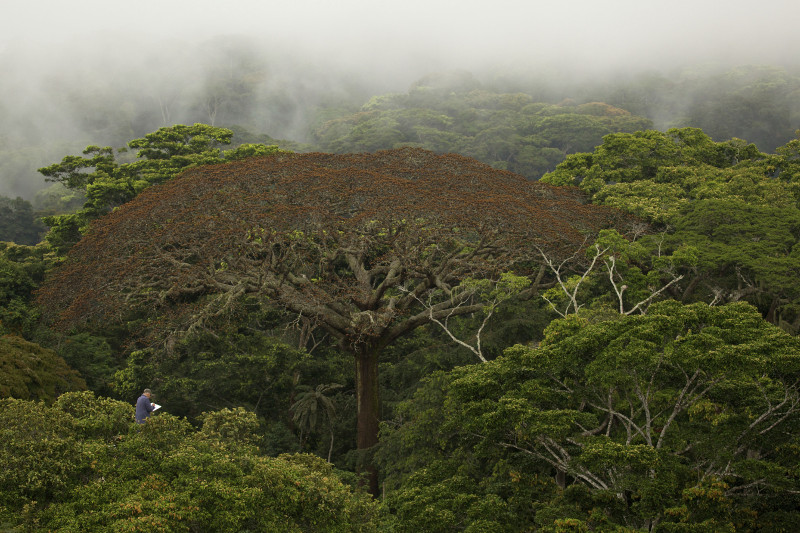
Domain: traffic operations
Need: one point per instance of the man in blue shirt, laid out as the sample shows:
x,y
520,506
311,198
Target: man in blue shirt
x,y
144,407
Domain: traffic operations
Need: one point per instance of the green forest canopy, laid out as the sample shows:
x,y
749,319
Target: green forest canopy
x,y
367,246
715,222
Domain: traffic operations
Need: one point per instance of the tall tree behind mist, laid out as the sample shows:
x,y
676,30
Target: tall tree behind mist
x,y
757,103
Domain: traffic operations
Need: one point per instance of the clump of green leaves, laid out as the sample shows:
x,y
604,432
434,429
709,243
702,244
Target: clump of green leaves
x,y
110,178
734,207
684,417
31,372
83,464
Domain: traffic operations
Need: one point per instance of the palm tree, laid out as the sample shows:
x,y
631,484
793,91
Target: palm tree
x,y
310,405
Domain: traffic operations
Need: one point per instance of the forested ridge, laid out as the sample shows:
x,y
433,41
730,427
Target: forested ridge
x,y
477,305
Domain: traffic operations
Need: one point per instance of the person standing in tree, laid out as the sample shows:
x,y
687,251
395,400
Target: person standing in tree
x,y
144,407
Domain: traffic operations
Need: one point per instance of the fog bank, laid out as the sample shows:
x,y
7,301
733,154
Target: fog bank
x,y
100,72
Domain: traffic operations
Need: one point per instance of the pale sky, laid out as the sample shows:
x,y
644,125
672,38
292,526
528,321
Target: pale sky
x,y
460,32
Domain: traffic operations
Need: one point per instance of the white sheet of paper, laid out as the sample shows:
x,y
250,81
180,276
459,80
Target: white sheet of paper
x,y
156,407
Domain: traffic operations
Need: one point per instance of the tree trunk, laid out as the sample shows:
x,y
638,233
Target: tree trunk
x,y
368,411
690,288
330,448
772,313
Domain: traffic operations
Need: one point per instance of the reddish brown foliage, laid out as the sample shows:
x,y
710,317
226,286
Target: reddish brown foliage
x,y
353,242
334,237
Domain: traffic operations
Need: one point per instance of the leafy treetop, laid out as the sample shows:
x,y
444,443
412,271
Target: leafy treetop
x,y
737,207
354,241
109,180
684,416
367,246
30,372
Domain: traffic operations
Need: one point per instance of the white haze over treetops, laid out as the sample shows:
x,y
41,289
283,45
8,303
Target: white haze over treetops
x,y
54,53
465,34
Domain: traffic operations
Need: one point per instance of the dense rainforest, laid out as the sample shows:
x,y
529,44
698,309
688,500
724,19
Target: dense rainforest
x,y
502,304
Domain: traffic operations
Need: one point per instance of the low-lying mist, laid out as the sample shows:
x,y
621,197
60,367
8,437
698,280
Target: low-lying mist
x,y
79,75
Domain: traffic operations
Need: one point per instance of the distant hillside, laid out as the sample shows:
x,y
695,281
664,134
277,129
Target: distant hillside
x,y
510,131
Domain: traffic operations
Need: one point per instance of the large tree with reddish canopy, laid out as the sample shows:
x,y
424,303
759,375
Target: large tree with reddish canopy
x,y
368,246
